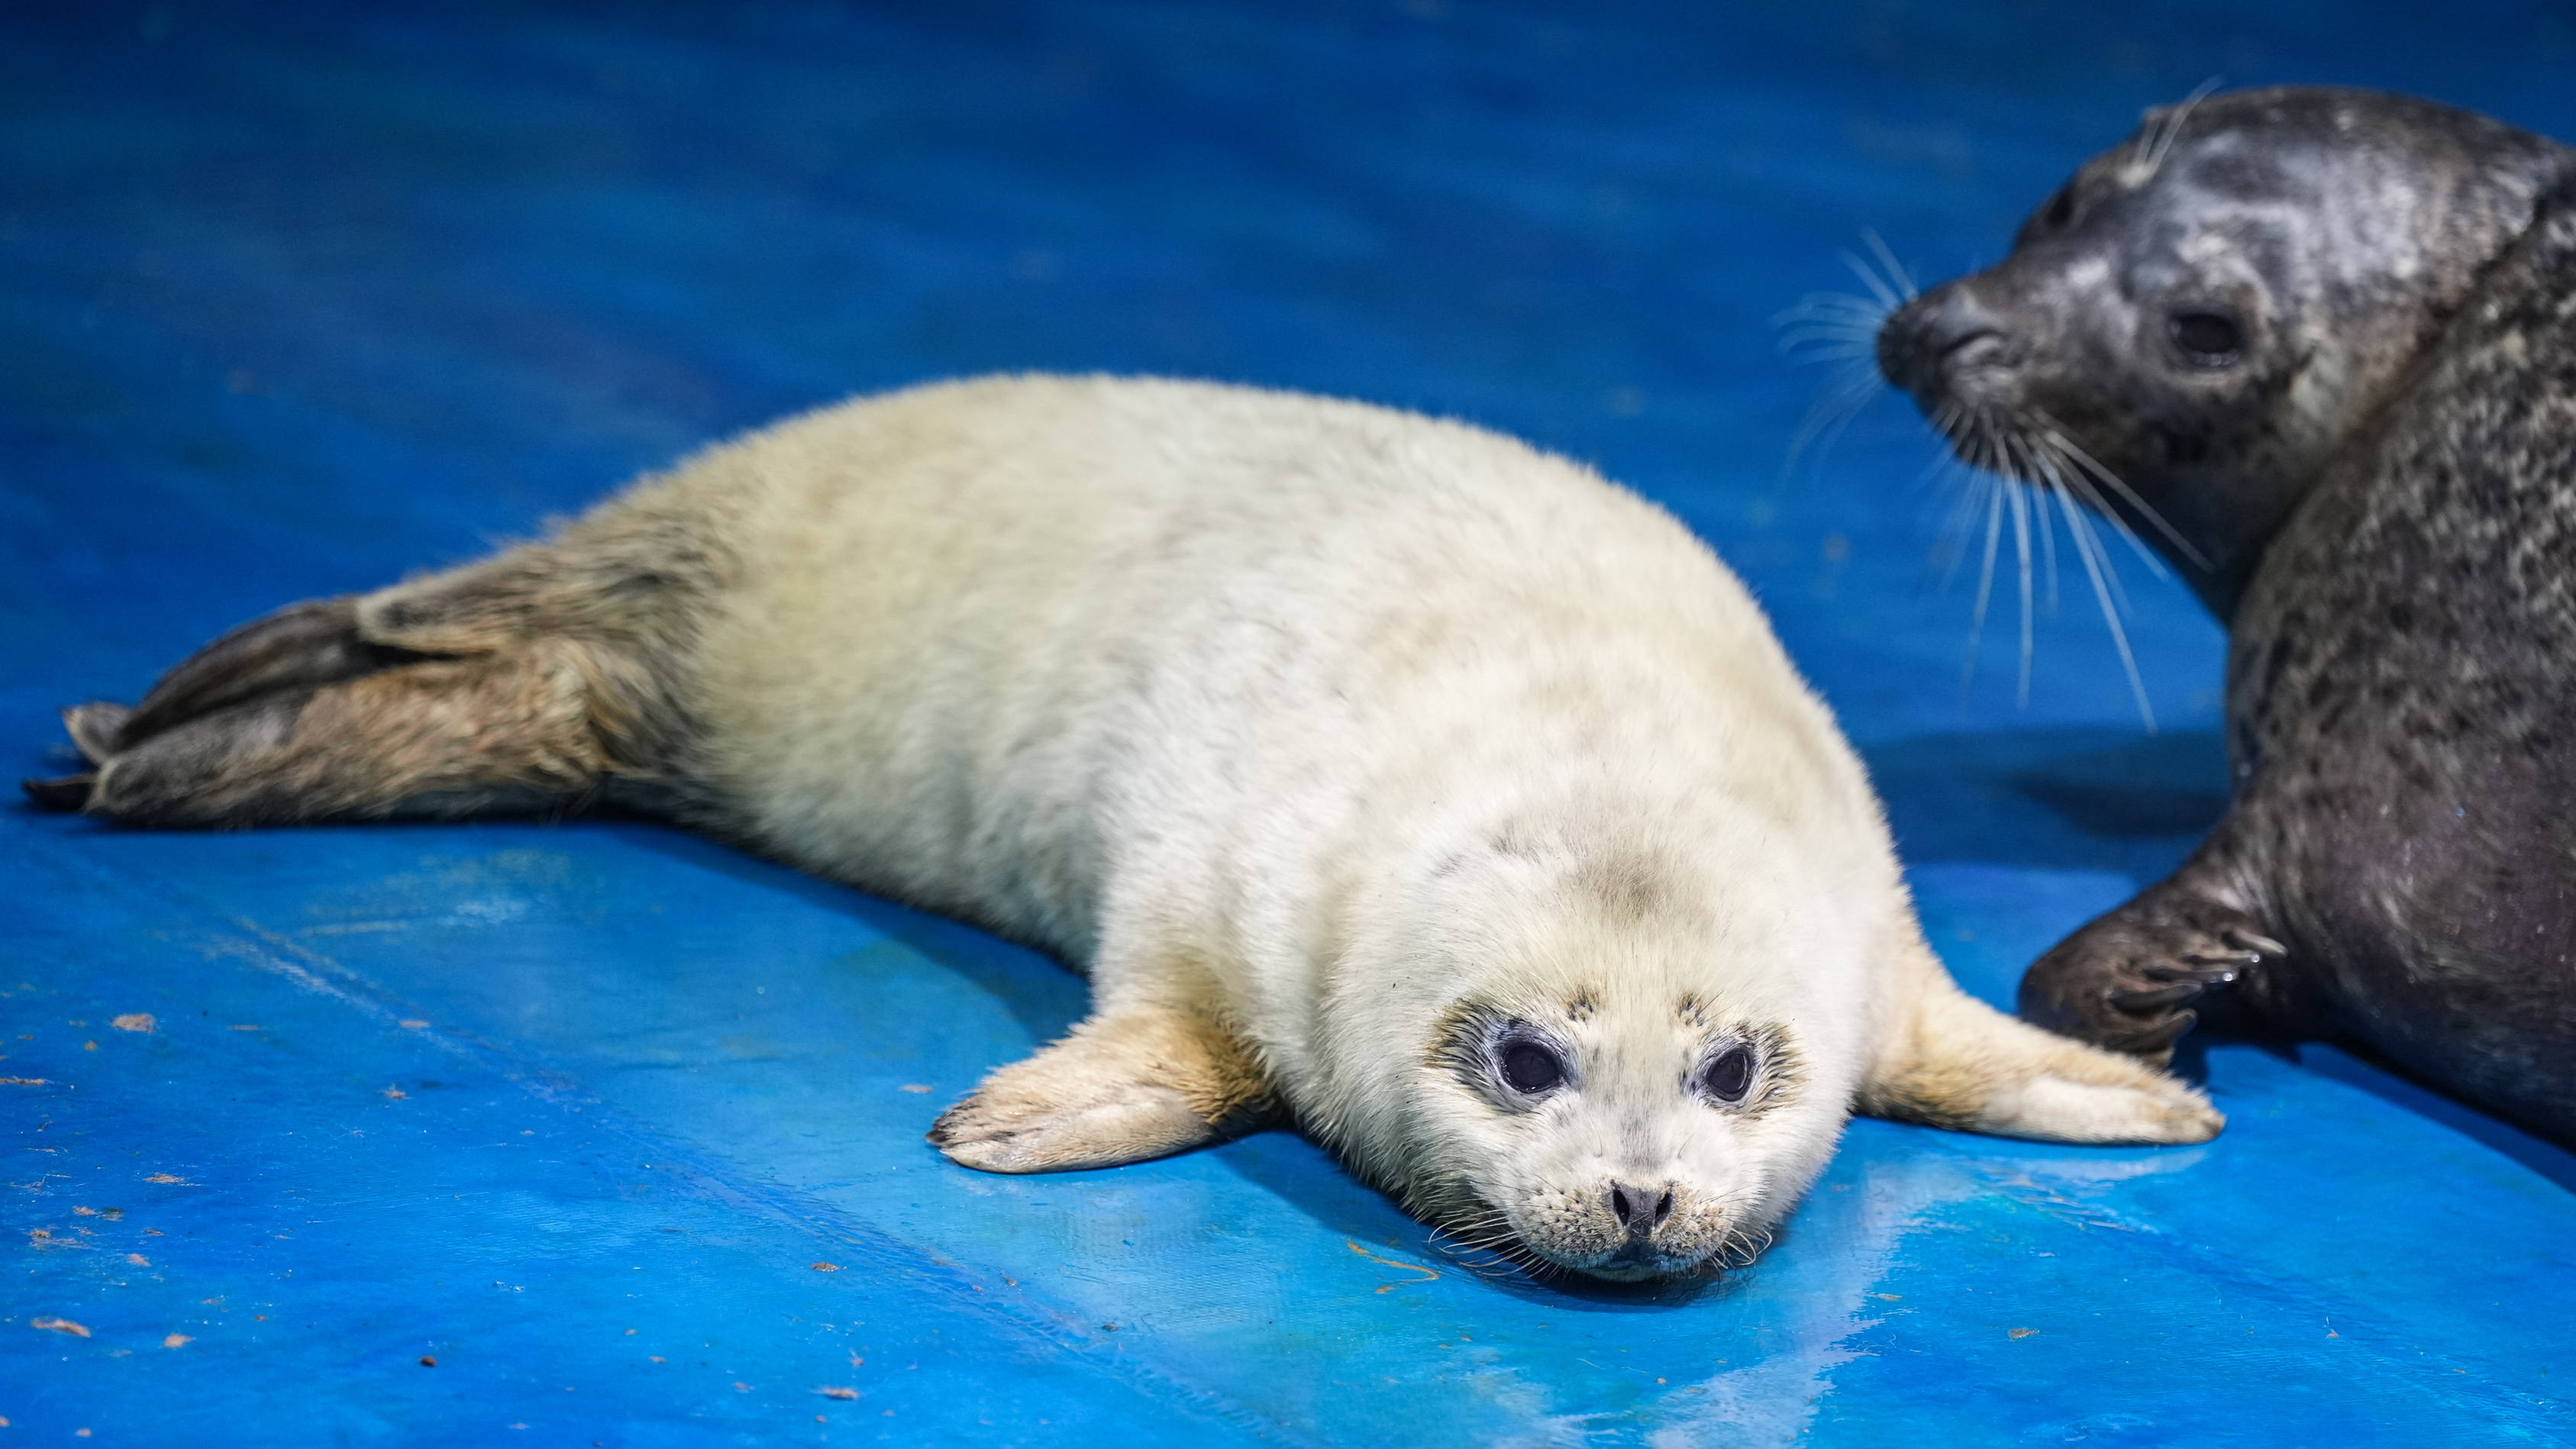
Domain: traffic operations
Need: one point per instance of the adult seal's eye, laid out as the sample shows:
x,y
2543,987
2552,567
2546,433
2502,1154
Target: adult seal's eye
x,y
2207,339
2060,209
1729,1077
1529,1068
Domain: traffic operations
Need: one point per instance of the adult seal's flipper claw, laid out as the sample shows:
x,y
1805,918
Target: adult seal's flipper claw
x,y
2133,980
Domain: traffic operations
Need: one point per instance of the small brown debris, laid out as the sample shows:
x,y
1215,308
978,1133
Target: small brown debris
x,y
135,1021
427,1362
138,1260
89,1046
82,1212
835,1391
58,1325
1889,1297
167,1177
413,1022
40,1234
246,1026
23,1082
657,1358
176,1340
827,1267
2023,1332
921,1088
740,1387
395,1094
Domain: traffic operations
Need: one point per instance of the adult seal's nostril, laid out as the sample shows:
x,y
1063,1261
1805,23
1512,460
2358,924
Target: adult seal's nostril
x,y
1640,1210
1935,333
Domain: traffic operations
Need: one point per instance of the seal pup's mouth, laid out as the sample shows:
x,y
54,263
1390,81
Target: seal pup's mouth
x,y
1638,1262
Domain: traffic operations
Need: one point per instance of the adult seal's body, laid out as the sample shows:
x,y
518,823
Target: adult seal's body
x,y
1378,769
2320,347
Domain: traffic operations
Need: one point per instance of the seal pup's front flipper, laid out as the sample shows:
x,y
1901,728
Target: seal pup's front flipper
x,y
1952,1061
1126,1084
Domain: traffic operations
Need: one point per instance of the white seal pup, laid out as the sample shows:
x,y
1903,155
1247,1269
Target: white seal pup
x,y
1381,771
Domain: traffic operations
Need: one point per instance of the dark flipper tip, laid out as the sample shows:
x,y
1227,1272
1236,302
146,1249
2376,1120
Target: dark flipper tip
x,y
65,793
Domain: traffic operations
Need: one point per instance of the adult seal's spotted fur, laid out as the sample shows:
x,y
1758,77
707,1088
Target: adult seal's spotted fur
x,y
1377,769
2320,347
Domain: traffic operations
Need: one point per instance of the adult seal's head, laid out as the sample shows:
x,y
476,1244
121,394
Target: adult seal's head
x,y
2191,327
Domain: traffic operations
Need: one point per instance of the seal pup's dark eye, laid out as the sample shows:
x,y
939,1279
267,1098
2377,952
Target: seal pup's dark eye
x,y
1529,1067
2207,339
1727,1078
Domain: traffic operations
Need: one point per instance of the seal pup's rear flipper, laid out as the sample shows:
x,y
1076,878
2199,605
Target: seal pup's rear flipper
x,y
445,737
279,658
520,683
1953,1061
298,648
1127,1084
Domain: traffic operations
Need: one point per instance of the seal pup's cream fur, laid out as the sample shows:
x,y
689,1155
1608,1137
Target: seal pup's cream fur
x,y
1379,770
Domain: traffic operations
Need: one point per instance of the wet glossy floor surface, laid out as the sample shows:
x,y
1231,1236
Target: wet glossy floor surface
x,y
594,1133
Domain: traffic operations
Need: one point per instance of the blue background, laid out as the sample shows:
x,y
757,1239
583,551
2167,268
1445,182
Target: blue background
x,y
294,299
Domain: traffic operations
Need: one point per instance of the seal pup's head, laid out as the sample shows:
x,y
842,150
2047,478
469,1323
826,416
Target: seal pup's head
x,y
1613,1063
2188,330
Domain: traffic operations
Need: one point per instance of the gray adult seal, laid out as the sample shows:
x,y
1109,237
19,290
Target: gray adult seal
x,y
2319,348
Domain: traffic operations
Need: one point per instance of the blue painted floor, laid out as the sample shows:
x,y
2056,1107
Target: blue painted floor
x,y
623,1129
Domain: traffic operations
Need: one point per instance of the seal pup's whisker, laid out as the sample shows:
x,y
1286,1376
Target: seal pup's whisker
x,y
1488,1256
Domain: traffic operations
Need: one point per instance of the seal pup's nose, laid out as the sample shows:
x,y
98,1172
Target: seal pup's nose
x,y
1640,1210
1923,340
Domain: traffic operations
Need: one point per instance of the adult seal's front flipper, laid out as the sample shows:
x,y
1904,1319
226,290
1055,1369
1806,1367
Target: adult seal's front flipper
x,y
2137,978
